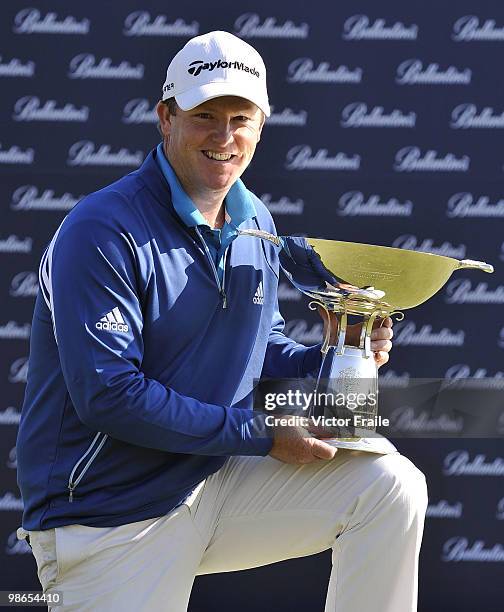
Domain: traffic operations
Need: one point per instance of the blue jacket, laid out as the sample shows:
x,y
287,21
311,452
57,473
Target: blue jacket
x,y
141,367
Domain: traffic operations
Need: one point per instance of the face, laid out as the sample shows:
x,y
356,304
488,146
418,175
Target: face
x,y
210,146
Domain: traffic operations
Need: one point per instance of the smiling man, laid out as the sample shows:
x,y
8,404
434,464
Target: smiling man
x,y
209,147
140,458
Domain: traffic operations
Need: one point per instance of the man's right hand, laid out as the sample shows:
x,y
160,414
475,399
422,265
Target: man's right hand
x,y
294,445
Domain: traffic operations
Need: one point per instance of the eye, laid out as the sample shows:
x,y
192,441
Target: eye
x,y
242,118
203,115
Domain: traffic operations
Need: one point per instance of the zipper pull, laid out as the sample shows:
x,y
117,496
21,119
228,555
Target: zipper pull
x,y
70,497
224,299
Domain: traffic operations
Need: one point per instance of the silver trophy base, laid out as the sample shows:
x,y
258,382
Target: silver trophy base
x,y
377,444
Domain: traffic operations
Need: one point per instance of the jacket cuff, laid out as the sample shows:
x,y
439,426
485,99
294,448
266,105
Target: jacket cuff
x,y
312,361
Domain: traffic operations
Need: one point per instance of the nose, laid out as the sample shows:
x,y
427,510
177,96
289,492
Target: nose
x,y
223,133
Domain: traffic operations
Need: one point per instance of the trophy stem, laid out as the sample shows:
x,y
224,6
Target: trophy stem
x,y
365,337
340,346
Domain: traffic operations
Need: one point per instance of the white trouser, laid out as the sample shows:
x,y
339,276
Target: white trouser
x,y
368,508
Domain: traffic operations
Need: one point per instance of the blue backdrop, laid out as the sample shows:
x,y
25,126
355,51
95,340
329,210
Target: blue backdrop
x,y
387,127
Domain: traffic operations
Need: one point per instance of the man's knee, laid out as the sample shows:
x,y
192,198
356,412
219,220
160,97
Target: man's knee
x,y
404,484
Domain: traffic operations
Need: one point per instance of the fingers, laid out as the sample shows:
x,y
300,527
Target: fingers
x,y
387,322
381,339
381,345
321,450
382,333
381,358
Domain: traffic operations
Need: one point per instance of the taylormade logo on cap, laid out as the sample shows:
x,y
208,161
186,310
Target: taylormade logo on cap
x,y
214,65
196,67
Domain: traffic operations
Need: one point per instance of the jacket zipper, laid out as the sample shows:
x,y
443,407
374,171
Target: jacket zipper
x,y
72,484
220,286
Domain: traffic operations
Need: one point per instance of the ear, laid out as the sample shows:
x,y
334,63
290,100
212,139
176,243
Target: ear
x,y
263,119
165,119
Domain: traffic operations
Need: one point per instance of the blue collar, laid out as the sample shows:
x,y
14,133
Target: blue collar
x,y
239,205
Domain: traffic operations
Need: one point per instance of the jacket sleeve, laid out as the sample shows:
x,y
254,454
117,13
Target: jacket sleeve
x,y
92,267
286,358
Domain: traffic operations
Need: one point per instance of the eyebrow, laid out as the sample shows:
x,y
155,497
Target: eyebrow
x,y
239,110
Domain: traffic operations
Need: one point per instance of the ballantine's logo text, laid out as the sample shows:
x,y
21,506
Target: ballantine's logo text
x,y
298,330
412,72
13,244
11,462
139,24
30,21
499,515
139,111
354,204
303,70
15,68
196,67
466,205
444,509
458,549
458,463
406,334
288,293
468,28
283,206
394,380
10,502
13,331
358,27
16,547
408,241
84,66
466,116
301,157
249,26
27,198
407,419
10,416
84,153
288,117
24,284
461,374
15,155
356,115
29,108
19,370
460,291
410,159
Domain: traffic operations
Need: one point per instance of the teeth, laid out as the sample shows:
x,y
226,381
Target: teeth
x,y
218,156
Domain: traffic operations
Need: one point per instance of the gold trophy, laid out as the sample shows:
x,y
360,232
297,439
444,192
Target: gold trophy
x,y
368,281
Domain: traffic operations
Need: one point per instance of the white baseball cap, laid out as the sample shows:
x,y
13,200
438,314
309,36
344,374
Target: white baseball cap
x,y
213,65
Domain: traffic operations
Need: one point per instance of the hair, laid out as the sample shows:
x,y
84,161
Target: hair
x,y
172,105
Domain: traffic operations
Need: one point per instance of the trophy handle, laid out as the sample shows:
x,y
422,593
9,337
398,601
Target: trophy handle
x,y
478,265
260,234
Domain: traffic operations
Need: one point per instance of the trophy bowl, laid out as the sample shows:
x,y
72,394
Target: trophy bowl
x,y
408,278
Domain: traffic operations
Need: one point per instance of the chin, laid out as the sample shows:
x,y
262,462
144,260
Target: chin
x,y
219,185
222,182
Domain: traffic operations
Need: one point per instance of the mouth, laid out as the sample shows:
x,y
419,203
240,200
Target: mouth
x,y
218,157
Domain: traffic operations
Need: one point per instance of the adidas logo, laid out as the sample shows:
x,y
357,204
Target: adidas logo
x,y
112,321
259,294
